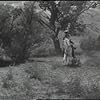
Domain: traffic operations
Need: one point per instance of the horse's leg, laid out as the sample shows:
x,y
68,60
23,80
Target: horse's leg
x,y
73,53
65,58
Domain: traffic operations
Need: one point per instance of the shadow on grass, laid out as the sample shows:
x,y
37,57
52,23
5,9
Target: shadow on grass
x,y
47,55
4,63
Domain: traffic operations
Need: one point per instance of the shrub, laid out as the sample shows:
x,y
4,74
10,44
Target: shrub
x,y
38,70
46,49
45,52
24,89
41,52
98,43
34,72
74,87
88,44
93,92
8,80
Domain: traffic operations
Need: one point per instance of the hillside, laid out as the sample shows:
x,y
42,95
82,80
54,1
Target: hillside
x,y
92,19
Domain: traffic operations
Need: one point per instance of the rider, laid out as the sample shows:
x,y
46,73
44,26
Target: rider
x,y
66,47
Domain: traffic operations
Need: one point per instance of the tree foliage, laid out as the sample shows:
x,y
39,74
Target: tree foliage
x,y
65,12
20,31
22,28
64,15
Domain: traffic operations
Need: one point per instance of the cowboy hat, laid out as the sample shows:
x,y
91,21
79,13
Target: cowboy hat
x,y
66,31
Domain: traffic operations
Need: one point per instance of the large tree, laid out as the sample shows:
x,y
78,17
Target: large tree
x,y
25,31
63,15
19,30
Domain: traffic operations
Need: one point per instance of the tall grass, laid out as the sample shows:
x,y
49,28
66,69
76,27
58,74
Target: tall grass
x,y
48,83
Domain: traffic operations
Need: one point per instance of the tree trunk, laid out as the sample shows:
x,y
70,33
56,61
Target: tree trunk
x,y
57,46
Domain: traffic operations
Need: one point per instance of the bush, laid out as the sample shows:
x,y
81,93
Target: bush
x,y
98,43
8,80
21,89
46,49
17,53
34,72
20,31
38,70
42,52
74,87
88,44
93,92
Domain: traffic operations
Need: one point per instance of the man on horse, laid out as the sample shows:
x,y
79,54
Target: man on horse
x,y
68,48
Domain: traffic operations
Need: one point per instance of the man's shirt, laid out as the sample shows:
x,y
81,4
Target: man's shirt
x,y
66,42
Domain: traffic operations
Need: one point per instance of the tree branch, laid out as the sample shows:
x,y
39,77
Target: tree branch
x,y
43,23
85,9
58,29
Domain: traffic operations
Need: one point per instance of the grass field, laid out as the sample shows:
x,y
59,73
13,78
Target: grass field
x,y
46,77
